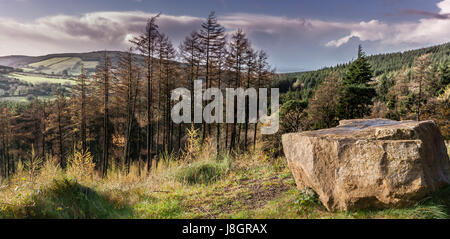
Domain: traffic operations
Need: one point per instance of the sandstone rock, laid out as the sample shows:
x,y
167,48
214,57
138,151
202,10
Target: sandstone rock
x,y
373,163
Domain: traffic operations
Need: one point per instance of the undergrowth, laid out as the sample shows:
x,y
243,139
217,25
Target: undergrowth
x,y
198,184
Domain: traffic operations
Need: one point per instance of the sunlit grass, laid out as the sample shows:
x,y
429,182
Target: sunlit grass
x,y
249,185
39,79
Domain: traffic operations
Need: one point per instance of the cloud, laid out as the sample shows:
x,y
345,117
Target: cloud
x,y
91,31
424,13
292,43
426,31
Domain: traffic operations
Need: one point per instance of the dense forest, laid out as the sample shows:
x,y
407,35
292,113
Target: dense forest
x,y
120,113
412,85
91,135
382,65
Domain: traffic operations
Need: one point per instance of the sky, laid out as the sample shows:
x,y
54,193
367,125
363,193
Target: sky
x,y
298,35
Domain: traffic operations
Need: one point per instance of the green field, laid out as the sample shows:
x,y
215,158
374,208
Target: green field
x,y
39,79
23,99
57,65
49,62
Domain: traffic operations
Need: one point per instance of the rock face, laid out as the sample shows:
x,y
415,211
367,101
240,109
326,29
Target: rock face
x,y
373,163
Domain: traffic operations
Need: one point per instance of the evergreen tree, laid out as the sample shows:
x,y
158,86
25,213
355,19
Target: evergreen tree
x,y
190,53
79,99
125,100
422,82
443,76
211,38
262,80
322,106
146,44
238,49
356,96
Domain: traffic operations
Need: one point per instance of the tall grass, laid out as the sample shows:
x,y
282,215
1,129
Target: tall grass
x,y
204,171
197,184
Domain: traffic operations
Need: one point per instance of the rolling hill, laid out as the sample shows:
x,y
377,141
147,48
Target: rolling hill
x,y
62,68
64,64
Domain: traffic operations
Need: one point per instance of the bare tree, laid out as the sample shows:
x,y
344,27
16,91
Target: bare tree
x,y
146,44
238,48
211,37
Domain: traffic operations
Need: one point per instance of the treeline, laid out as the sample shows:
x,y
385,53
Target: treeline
x,y
121,114
11,87
6,69
420,91
381,65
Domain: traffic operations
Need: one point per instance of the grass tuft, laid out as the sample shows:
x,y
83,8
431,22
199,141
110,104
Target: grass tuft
x,y
65,198
203,172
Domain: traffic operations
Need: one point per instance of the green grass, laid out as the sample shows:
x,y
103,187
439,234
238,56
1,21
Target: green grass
x,y
246,187
57,65
39,79
23,99
203,172
49,62
18,99
65,198
159,209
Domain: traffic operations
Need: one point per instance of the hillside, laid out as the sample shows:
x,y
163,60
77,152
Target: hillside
x,y
68,64
381,64
23,77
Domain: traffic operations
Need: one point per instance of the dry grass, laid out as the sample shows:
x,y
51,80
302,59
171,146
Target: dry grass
x,y
249,185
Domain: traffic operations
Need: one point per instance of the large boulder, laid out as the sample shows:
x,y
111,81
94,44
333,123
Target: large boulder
x,y
374,163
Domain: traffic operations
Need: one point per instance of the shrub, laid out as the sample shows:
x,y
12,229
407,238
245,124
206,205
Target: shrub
x,y
203,172
81,164
193,145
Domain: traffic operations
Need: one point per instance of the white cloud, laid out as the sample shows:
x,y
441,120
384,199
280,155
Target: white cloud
x,y
425,31
91,31
292,43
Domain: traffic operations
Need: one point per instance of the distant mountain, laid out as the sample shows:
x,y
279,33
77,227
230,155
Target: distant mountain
x,y
60,64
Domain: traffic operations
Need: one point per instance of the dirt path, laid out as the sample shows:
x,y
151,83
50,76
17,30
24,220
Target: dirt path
x,y
252,194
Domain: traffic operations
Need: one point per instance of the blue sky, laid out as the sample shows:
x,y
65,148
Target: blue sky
x,y
298,35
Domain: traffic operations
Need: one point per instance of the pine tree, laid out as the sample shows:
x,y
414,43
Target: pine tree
x,y
356,96
59,127
219,63
28,126
322,106
262,80
146,44
166,58
79,98
422,80
399,93
103,77
5,139
251,67
238,48
211,37
128,76
443,77
190,52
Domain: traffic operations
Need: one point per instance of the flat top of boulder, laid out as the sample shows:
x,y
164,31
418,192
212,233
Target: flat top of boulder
x,y
370,128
